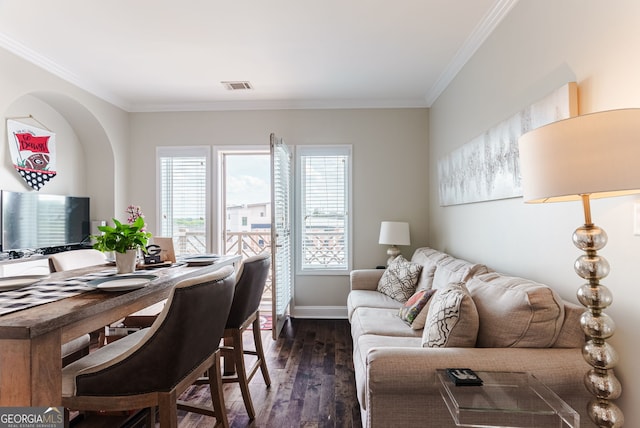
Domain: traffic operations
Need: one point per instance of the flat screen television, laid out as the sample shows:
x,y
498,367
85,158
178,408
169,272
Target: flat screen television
x,y
31,220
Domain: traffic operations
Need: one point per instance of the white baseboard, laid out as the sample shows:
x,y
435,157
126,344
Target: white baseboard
x,y
322,312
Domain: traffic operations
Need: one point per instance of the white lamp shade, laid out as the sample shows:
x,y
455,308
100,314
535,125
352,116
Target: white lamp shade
x,y
394,233
595,154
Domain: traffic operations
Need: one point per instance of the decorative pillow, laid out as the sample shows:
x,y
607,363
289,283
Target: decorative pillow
x,y
414,306
420,319
452,320
399,279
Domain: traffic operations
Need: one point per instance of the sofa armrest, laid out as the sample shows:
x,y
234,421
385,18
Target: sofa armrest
x,y
399,379
365,279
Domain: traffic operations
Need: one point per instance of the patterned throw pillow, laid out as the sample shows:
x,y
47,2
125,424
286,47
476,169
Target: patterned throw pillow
x,y
452,320
421,319
399,279
414,306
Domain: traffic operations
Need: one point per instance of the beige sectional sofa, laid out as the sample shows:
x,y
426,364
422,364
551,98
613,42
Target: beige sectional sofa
x,y
508,324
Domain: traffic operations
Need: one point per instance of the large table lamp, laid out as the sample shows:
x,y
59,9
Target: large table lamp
x,y
394,233
578,159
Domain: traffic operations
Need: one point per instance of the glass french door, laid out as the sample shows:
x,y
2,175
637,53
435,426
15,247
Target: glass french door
x,y
281,239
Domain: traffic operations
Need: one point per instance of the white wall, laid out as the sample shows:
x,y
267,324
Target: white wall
x,y
540,46
389,172
91,135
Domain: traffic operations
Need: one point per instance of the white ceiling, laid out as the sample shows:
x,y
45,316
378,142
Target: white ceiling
x,y
162,55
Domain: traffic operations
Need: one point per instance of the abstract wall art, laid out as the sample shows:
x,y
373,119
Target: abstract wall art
x,y
487,167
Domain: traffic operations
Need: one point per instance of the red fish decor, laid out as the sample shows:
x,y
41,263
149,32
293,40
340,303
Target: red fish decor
x,y
33,152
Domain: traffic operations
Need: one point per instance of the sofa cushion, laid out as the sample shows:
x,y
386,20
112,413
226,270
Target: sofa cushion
x,y
429,259
571,335
452,320
452,270
399,279
369,299
380,321
361,348
516,312
414,306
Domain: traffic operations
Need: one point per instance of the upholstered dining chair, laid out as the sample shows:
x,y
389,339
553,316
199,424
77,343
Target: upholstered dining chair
x,y
69,260
244,313
153,366
75,259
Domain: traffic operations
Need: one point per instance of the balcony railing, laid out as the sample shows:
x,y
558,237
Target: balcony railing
x,y
190,242
321,248
247,244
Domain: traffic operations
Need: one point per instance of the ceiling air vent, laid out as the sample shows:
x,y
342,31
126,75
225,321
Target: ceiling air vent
x,y
237,85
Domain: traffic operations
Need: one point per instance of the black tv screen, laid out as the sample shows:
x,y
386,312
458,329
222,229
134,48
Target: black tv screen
x,y
32,220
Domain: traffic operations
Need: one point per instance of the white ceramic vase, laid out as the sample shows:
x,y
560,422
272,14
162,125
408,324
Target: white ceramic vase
x,y
126,262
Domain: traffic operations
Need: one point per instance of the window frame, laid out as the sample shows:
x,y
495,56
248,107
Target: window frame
x,y
185,151
302,151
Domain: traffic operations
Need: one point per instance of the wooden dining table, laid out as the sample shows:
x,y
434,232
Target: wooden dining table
x,y
31,339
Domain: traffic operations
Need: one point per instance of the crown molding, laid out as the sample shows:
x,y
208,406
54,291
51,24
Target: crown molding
x,y
477,37
282,105
54,68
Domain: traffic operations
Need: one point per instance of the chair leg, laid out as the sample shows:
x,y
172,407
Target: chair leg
x,y
217,396
168,409
151,422
241,372
228,366
257,339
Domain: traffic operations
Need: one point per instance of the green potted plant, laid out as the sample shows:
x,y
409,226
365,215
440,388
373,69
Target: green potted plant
x,y
125,239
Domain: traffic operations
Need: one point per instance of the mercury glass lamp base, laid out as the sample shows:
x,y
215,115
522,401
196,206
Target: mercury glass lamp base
x,y
600,381
392,252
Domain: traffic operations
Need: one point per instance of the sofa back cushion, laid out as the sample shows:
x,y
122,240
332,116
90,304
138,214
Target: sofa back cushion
x,y
515,312
428,258
451,270
452,320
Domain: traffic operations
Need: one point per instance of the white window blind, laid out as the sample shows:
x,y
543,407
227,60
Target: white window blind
x,y
183,197
281,233
324,186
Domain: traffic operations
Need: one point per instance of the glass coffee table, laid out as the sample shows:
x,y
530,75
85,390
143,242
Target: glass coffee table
x,y
506,399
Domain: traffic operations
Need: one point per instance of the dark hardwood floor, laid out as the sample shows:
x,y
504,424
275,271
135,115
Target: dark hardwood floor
x,y
312,382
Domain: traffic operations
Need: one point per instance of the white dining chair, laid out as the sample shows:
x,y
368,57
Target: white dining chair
x,y
69,260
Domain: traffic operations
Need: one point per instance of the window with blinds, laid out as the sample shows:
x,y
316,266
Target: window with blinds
x,y
324,229
183,198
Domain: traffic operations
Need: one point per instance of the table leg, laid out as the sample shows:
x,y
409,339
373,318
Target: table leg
x,y
31,371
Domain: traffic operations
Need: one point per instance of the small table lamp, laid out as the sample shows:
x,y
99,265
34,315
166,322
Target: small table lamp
x,y
582,158
394,233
